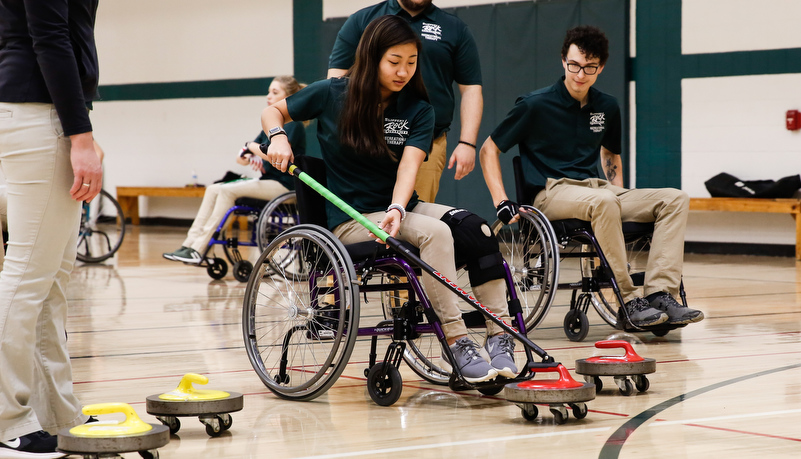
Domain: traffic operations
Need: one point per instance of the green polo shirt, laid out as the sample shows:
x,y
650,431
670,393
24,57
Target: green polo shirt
x,y
449,52
296,133
364,183
557,137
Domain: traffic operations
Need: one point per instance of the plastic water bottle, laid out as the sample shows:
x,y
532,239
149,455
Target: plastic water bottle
x,y
194,178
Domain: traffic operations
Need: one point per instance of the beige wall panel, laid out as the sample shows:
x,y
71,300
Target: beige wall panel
x,y
147,41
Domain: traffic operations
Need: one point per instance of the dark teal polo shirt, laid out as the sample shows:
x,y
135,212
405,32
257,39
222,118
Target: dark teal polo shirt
x,y
449,52
296,133
364,183
557,137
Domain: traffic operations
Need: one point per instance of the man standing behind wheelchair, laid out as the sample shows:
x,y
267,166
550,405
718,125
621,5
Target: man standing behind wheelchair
x,y
375,128
563,131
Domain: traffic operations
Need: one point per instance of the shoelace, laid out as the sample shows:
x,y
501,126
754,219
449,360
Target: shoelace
x,y
639,304
466,346
506,344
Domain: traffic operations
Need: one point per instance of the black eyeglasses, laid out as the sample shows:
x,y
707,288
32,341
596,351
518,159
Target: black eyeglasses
x,y
588,69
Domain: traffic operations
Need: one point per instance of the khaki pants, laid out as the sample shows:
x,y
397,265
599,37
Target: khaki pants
x,y
427,183
606,206
423,229
220,197
35,372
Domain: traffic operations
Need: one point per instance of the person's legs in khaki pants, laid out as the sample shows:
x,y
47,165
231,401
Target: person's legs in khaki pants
x,y
424,229
606,206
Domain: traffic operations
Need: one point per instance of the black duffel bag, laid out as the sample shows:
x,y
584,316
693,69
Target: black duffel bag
x,y
726,185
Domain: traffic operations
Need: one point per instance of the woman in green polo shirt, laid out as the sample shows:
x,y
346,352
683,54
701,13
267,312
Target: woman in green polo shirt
x,y
375,128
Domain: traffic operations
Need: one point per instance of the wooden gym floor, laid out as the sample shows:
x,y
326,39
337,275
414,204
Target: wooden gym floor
x,y
727,386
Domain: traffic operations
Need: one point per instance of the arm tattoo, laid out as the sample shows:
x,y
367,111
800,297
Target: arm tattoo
x,y
611,170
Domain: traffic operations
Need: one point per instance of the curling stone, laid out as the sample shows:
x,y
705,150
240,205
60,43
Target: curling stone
x,y
620,366
212,407
110,438
555,392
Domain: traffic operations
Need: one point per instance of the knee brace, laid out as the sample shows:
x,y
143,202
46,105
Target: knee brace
x,y
475,246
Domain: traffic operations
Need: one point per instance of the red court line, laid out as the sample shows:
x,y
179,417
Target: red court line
x,y
745,432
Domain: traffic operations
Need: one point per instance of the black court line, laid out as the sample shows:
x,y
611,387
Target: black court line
x,y
614,443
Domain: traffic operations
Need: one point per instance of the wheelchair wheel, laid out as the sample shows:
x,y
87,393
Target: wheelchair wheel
x,y
278,215
102,229
299,330
604,300
217,268
532,253
242,270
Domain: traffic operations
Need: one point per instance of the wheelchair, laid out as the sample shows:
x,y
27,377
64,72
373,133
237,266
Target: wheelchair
x,y
537,250
301,313
265,220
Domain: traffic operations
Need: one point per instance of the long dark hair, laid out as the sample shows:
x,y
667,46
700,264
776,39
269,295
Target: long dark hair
x,y
361,122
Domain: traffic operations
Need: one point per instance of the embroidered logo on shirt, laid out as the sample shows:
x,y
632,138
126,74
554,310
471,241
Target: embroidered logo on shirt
x,y
396,131
597,122
431,32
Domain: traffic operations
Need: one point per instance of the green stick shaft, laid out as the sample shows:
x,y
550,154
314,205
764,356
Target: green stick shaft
x,y
345,207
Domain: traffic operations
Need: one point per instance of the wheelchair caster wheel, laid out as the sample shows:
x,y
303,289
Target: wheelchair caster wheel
x,y
242,270
576,325
491,390
384,389
217,268
456,385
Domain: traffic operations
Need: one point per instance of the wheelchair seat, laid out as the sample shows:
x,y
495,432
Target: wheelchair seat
x,y
251,202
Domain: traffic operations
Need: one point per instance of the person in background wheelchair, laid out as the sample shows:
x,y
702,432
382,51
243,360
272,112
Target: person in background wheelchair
x,y
563,131
372,158
220,197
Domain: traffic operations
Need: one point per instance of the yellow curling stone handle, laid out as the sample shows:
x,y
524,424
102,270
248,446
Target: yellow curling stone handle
x,y
185,392
132,425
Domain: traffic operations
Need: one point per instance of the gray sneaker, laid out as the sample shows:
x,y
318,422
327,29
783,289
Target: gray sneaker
x,y
678,313
183,251
501,349
641,314
190,256
472,366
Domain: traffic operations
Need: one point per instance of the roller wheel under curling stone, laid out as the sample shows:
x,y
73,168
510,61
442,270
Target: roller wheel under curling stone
x,y
212,407
102,438
621,367
559,394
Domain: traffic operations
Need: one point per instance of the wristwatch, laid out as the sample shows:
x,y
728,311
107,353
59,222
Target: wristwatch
x,y
278,130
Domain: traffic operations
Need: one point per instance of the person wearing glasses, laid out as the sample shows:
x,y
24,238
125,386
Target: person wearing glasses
x,y
563,132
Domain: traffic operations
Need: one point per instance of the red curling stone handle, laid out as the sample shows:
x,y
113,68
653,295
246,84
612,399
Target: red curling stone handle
x,y
565,381
630,356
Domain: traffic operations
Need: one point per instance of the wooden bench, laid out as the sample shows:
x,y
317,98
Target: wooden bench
x,y
773,206
128,196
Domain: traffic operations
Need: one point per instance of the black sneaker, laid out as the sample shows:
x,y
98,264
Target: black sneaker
x,y
641,314
678,314
39,445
